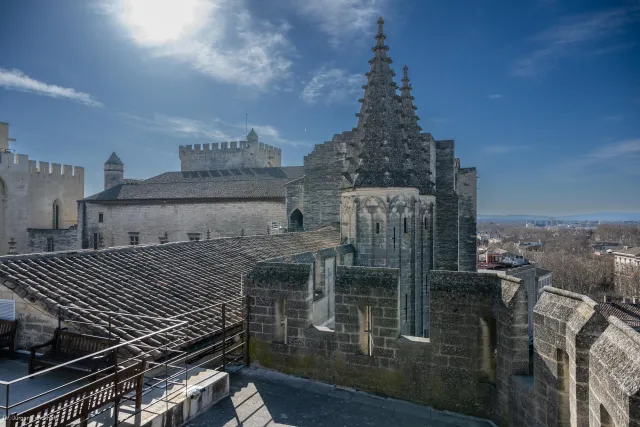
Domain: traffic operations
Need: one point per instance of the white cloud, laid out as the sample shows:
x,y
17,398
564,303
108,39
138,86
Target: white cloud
x,y
332,85
630,147
573,37
616,159
17,80
494,96
215,130
342,19
220,39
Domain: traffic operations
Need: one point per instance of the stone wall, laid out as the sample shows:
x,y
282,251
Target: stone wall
x,y
614,380
229,155
294,199
466,188
28,190
63,240
443,371
323,181
35,326
152,221
446,231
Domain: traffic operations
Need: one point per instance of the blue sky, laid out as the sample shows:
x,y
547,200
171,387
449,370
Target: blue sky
x,y
542,96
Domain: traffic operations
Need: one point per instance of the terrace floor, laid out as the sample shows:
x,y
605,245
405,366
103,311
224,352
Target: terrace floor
x,y
261,398
11,369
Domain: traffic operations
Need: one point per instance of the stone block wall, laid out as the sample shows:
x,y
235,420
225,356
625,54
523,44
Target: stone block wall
x,y
614,380
565,326
445,166
443,371
63,240
446,231
35,326
223,219
466,188
323,181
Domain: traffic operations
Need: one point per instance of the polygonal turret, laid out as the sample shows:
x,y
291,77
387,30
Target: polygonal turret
x,y
113,171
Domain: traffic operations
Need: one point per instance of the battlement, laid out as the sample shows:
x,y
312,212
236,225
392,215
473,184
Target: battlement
x,y
11,162
226,146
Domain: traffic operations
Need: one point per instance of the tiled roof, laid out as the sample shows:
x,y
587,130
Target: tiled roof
x,y
249,183
628,313
152,280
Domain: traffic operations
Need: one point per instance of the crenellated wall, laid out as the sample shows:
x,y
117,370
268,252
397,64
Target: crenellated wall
x,y
476,360
229,155
447,371
28,190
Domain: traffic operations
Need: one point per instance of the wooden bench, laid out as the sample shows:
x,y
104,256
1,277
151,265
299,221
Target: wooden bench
x,y
8,330
67,346
79,403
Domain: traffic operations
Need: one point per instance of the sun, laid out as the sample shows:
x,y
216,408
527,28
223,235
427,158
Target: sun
x,y
155,22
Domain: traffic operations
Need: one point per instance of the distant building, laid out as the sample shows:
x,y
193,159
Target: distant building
x,y
38,211
627,271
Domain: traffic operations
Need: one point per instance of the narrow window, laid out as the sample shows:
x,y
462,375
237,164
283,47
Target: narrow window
x,y
377,228
365,320
50,245
56,215
564,407
488,343
281,322
100,217
394,237
405,225
100,240
425,222
134,238
95,240
406,307
194,237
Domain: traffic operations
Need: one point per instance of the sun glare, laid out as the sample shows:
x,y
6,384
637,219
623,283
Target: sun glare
x,y
160,21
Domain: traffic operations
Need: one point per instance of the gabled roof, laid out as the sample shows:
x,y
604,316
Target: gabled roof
x,y
248,183
114,160
153,280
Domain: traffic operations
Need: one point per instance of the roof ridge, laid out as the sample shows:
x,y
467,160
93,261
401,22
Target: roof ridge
x,y
75,253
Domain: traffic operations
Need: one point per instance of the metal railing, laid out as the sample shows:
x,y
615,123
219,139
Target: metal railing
x,y
208,337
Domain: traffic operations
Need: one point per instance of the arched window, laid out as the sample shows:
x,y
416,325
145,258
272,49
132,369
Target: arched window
x,y
55,223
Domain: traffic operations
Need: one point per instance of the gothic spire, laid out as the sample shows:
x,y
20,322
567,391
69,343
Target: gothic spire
x,y
380,153
420,150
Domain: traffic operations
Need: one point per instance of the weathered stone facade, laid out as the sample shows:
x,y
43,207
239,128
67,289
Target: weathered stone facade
x,y
230,155
158,222
392,227
35,195
476,360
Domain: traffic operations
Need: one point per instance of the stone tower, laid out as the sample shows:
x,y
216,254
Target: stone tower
x,y
387,213
113,171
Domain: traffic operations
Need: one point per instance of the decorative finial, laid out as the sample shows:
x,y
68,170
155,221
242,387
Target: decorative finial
x,y
380,24
404,72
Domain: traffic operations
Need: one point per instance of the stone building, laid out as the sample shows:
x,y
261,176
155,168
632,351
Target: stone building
x,y
186,205
38,210
627,272
230,155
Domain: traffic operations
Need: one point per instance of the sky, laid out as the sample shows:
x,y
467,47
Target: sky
x,y
542,96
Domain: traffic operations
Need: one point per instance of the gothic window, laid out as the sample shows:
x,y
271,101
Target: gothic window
x,y
100,217
377,228
134,238
50,245
194,237
405,225
55,223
